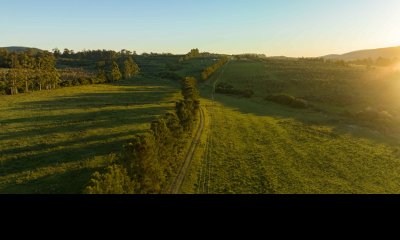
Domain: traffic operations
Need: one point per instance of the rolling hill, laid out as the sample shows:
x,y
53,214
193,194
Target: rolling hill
x,y
391,52
20,49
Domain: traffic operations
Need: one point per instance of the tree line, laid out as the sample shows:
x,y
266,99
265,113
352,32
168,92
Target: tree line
x,y
210,70
225,88
94,55
114,70
27,71
148,161
195,53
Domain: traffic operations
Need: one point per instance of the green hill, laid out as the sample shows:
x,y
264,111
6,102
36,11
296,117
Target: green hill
x,y
338,144
391,52
21,49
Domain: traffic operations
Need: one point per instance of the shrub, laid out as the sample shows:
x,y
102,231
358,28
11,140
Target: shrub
x,y
225,88
114,181
170,75
288,101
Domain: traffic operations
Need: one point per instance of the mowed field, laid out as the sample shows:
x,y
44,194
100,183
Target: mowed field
x,y
256,146
52,141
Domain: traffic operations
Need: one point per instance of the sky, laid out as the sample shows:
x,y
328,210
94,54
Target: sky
x,y
294,28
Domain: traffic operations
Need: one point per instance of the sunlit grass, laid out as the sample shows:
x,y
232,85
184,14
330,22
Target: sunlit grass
x,y
262,147
51,141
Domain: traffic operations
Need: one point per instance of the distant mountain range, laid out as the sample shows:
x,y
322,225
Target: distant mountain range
x,y
21,49
391,52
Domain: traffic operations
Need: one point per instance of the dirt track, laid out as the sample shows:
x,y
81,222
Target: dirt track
x,y
177,184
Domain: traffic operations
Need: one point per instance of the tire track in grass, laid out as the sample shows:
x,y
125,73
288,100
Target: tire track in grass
x,y
207,161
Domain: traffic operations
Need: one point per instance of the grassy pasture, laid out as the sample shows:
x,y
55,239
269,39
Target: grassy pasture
x,y
52,141
256,146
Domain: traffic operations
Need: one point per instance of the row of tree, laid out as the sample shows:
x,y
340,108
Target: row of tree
x,y
26,71
94,55
110,71
225,88
210,70
29,71
195,53
149,161
97,55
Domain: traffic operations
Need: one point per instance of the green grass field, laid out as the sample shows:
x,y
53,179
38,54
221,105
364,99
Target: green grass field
x,y
52,141
255,146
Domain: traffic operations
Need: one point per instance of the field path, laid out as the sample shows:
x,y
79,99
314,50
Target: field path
x,y
204,182
177,183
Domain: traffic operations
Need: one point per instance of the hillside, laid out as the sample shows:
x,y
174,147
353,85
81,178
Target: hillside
x,y
391,52
20,49
257,146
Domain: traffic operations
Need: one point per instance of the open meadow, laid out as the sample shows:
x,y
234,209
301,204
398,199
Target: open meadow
x,y
259,146
52,141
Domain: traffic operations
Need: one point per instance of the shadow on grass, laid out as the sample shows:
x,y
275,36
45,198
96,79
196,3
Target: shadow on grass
x,y
69,151
70,182
80,122
102,116
340,124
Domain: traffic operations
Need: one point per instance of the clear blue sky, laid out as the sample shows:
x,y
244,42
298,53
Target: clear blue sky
x,y
273,27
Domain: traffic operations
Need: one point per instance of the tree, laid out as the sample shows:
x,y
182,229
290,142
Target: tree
x,y
56,52
4,58
141,161
28,64
101,74
66,52
130,68
114,181
189,89
14,78
115,74
46,72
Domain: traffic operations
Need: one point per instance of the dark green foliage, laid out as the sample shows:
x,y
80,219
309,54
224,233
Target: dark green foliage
x,y
115,73
170,75
381,120
186,109
4,58
114,181
288,101
130,68
77,77
172,66
210,70
151,159
225,88
141,160
189,89
26,71
186,113
192,54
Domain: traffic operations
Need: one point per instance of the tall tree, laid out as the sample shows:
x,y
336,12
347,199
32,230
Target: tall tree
x,y
115,72
130,68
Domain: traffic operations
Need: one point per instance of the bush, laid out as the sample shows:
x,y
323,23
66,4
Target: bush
x,y
149,160
375,119
170,75
288,101
174,66
225,88
114,181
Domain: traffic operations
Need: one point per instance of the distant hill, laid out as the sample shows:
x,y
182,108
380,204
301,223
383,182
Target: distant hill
x,y
392,52
21,49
